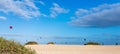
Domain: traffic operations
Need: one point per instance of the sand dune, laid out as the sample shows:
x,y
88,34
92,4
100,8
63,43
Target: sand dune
x,y
74,49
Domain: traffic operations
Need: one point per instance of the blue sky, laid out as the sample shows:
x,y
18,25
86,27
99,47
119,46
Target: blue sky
x,y
98,19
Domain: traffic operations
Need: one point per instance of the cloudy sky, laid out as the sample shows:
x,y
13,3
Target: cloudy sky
x,y
63,18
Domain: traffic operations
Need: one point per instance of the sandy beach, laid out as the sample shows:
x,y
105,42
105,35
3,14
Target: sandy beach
x,y
74,49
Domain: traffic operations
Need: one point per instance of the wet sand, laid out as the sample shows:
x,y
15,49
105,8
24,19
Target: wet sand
x,y
75,49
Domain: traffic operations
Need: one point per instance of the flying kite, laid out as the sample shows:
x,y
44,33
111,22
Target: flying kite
x,y
11,27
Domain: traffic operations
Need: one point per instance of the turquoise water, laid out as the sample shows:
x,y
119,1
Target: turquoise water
x,y
62,40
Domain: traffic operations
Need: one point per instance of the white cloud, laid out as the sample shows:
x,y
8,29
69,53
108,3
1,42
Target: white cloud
x,y
105,15
27,8
3,18
81,12
41,2
56,9
23,8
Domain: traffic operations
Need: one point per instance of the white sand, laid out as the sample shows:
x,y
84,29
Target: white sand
x,y
74,49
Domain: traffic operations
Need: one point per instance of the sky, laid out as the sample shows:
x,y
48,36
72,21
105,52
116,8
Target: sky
x,y
96,20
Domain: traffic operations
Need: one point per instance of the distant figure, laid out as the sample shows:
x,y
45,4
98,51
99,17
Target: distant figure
x,y
84,39
102,43
26,40
116,43
11,27
66,43
40,37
